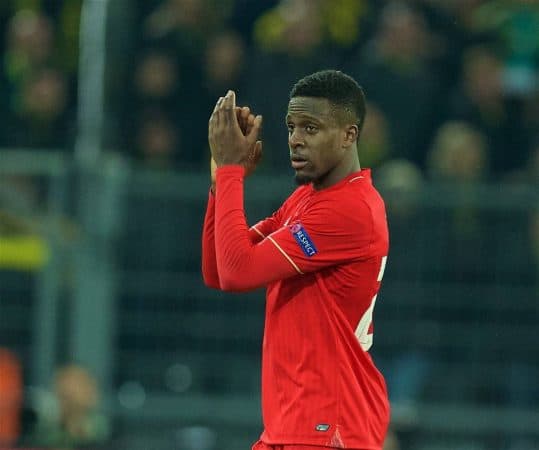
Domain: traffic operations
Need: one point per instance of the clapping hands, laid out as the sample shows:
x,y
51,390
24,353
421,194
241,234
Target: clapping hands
x,y
232,135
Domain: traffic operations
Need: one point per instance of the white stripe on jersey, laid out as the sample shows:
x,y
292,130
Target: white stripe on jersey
x,y
382,269
285,255
258,231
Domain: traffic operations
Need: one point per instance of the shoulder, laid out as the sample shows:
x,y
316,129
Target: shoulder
x,y
352,198
301,191
297,195
341,211
356,206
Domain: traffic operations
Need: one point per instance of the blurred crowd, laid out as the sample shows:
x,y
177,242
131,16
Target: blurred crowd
x,y
38,73
452,86
453,96
65,416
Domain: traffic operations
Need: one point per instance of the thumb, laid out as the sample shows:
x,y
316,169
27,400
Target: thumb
x,y
253,134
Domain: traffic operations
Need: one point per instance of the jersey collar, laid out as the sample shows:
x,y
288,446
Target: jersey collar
x,y
354,177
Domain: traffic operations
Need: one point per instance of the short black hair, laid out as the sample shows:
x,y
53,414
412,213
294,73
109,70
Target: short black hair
x,y
339,88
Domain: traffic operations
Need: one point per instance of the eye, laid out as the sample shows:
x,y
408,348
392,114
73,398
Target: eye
x,y
311,129
290,127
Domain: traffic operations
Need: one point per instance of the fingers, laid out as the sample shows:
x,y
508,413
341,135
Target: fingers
x,y
254,158
249,123
245,111
228,107
227,113
238,112
218,104
214,118
242,114
252,136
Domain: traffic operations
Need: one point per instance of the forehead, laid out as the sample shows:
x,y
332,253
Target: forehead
x,y
317,108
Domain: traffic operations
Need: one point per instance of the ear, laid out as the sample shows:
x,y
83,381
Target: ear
x,y
351,134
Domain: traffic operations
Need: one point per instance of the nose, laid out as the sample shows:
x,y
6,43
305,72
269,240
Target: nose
x,y
295,140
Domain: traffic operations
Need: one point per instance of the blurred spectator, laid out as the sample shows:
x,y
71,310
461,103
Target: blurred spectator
x,y
515,22
289,43
480,100
165,125
224,63
338,22
462,16
458,154
29,43
42,118
466,242
157,140
407,367
403,181
393,68
244,15
224,69
451,32
156,77
374,144
38,93
11,397
178,31
74,420
391,442
196,17
459,158
346,21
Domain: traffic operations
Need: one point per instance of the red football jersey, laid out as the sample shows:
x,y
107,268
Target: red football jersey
x,y
322,256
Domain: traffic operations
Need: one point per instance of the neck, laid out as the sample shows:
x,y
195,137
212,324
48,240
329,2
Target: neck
x,y
339,172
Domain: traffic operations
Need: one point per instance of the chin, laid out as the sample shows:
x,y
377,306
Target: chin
x,y
302,179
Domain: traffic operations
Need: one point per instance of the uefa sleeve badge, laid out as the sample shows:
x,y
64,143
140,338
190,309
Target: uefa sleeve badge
x,y
303,239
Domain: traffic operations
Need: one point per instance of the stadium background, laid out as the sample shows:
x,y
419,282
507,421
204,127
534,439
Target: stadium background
x,y
103,182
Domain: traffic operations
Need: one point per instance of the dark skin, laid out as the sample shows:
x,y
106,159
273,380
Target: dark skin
x,y
228,143
322,139
246,122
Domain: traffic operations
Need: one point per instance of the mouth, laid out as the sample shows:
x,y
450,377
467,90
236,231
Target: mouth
x,y
298,162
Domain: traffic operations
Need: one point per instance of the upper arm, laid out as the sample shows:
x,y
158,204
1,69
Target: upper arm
x,y
325,236
322,236
265,227
262,229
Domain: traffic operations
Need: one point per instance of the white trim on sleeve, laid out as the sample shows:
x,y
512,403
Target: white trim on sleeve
x,y
285,255
258,231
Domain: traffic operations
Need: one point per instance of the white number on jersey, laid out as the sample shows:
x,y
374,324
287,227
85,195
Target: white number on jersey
x,y
362,331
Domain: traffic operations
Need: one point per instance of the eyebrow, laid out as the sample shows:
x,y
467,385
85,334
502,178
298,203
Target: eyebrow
x,y
303,117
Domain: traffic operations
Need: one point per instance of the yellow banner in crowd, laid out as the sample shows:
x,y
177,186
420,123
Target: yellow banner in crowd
x,y
23,252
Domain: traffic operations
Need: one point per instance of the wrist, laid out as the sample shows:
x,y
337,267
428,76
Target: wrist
x,y
229,167
230,162
234,170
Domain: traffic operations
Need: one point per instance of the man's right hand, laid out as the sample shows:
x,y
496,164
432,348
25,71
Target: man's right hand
x,y
246,121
